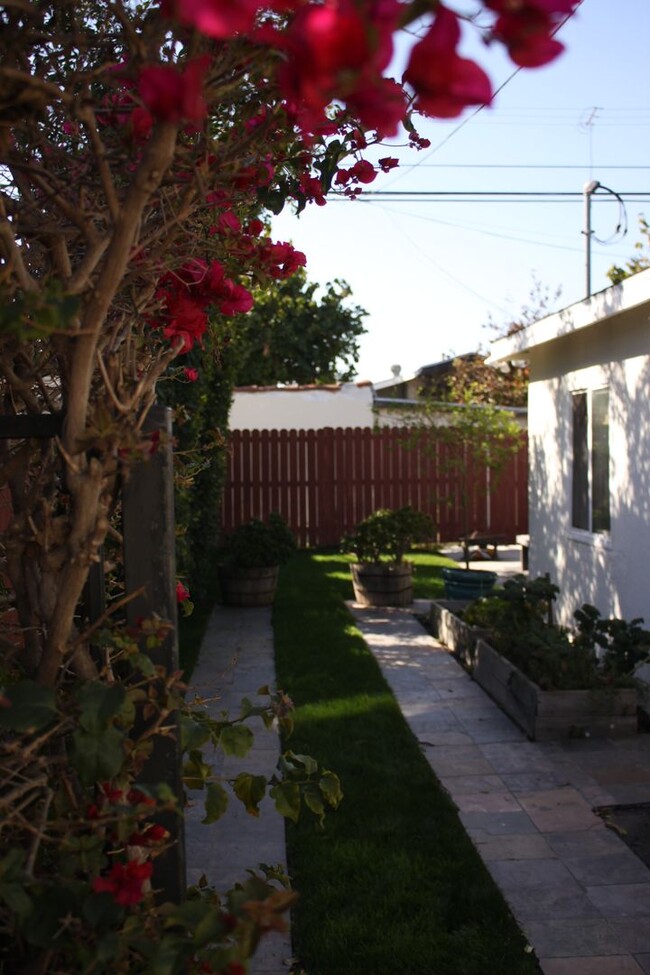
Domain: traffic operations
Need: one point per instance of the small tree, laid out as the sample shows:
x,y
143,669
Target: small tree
x,y
475,432
294,335
639,262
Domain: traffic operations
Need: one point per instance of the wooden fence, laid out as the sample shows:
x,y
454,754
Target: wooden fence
x,y
324,481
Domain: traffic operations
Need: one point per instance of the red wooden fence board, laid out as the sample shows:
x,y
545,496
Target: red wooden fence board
x,y
325,481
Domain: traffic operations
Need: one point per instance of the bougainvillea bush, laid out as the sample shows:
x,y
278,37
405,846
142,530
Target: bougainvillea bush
x,y
142,149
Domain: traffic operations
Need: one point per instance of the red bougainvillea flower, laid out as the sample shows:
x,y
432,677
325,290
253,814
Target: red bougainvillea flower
x,y
234,299
124,882
191,374
152,835
443,82
172,95
527,36
216,18
526,28
380,104
182,593
388,163
187,322
337,51
363,171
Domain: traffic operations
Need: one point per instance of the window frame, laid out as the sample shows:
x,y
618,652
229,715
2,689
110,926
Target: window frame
x,y
590,462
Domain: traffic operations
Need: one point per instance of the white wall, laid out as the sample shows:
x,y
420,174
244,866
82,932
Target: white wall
x,y
608,570
302,407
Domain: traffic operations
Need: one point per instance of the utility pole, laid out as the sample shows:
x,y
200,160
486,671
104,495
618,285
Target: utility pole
x,y
589,189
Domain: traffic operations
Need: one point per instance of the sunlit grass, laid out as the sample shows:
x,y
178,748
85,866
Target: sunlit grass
x,y
394,883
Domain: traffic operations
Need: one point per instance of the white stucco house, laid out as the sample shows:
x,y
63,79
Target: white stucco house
x,y
301,407
589,448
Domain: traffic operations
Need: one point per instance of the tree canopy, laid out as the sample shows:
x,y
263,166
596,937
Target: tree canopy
x,y
295,335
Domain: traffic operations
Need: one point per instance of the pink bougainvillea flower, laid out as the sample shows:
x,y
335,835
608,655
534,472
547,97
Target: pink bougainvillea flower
x,y
364,171
337,51
187,321
254,227
281,260
228,222
234,299
388,163
552,8
380,105
191,374
443,82
528,38
152,835
172,95
124,882
216,18
182,592
526,27
312,188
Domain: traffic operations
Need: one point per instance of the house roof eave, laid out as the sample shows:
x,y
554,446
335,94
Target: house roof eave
x,y
590,311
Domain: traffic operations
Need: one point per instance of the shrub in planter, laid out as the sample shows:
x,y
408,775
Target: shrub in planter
x,y
251,557
380,575
555,682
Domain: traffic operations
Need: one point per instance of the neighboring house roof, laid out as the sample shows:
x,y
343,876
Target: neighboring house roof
x,y
600,307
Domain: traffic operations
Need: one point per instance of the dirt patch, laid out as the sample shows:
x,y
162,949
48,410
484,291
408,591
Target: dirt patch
x,y
632,823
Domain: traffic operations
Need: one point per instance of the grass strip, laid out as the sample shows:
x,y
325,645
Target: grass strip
x,y
393,884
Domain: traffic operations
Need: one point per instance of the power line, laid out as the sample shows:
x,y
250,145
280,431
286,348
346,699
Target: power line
x,y
513,166
490,196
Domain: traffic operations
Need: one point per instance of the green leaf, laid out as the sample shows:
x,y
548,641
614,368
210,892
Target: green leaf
x,y
293,764
216,803
330,786
99,704
194,733
101,911
97,756
46,920
287,799
196,772
236,740
250,789
17,899
31,707
314,801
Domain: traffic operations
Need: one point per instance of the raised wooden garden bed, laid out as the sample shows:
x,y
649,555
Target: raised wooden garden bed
x,y
542,715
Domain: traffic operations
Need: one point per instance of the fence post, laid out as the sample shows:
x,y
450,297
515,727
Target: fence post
x,y
150,561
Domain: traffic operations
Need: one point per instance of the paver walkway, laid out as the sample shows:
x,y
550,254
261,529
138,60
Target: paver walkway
x,y
580,895
236,660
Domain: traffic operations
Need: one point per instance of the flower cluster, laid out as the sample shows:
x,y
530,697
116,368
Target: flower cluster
x,y
338,51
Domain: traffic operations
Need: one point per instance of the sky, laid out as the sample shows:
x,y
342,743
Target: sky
x,y
432,274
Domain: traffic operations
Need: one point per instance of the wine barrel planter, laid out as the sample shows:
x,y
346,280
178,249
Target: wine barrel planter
x,y
382,583
248,587
468,583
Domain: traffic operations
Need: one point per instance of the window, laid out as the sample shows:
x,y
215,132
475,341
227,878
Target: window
x,y
590,508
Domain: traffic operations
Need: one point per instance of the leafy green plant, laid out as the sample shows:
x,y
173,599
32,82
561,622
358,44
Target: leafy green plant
x,y
624,643
519,619
387,535
83,834
257,544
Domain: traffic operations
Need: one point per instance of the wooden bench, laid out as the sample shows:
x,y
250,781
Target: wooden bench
x,y
485,542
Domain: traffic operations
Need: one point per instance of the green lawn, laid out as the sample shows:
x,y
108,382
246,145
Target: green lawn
x,y
393,884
